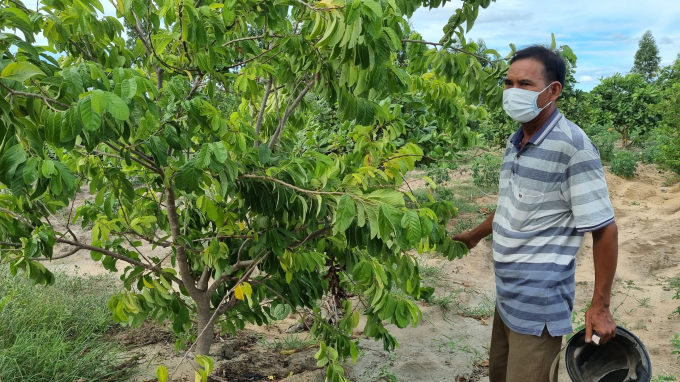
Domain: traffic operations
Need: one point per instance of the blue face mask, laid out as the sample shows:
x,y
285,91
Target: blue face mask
x,y
520,104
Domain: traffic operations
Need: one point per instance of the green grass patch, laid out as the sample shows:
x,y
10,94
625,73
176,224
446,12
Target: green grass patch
x,y
289,342
58,332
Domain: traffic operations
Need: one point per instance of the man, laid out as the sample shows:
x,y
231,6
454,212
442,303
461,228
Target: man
x,y
552,191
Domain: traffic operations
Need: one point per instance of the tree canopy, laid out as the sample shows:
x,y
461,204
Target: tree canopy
x,y
200,135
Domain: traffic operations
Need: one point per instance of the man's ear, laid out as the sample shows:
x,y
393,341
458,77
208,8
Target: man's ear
x,y
555,90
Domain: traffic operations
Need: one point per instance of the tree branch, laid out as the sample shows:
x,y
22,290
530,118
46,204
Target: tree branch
x,y
39,96
225,276
69,253
289,111
252,58
205,277
154,169
263,106
115,255
456,49
298,189
243,39
182,260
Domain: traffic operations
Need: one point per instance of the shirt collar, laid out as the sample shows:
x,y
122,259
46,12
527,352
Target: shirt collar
x,y
537,138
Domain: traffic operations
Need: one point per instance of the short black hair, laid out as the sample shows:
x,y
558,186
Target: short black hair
x,y
554,65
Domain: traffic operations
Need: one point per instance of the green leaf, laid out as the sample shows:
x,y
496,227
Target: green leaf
x,y
385,226
128,88
20,71
99,101
188,177
66,175
345,213
91,119
172,137
411,222
374,7
387,196
220,151
264,154
347,106
158,149
202,159
11,159
48,168
31,171
117,107
329,32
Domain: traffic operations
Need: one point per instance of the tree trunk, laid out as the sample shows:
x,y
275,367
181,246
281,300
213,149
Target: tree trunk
x,y
205,328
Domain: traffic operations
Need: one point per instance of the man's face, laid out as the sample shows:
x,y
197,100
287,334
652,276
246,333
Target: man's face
x,y
529,74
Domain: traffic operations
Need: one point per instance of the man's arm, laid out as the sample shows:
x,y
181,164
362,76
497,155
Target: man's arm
x,y
605,256
472,237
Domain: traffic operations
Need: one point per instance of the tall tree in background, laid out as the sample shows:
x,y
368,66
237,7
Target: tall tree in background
x,y
647,57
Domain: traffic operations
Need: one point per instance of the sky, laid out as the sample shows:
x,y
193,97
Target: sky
x,y
604,34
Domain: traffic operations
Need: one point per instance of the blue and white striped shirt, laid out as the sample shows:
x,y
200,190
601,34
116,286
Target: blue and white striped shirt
x,y
552,191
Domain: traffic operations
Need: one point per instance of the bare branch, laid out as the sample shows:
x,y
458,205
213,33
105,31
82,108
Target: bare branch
x,y
154,169
253,58
287,114
243,39
197,83
225,276
69,253
298,189
115,255
456,49
205,277
33,95
17,216
258,124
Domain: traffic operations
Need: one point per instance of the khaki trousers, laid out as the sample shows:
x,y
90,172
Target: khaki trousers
x,y
518,357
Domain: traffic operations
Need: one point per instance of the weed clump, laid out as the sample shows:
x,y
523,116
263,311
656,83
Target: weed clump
x,y
486,171
624,164
57,333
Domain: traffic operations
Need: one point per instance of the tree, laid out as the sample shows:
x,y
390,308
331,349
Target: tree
x,y
625,103
647,57
669,75
233,190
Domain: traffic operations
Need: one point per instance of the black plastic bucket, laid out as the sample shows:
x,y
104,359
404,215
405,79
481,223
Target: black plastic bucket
x,y
622,359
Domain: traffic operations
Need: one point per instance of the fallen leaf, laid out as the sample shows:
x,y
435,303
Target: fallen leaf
x,y
288,352
484,322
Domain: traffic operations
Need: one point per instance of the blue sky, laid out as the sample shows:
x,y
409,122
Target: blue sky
x,y
604,34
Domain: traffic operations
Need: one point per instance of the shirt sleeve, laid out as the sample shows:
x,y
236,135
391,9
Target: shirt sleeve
x,y
585,190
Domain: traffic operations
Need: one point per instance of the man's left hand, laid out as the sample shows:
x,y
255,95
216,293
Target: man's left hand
x,y
599,319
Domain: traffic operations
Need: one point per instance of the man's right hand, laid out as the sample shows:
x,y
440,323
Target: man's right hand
x,y
472,238
467,239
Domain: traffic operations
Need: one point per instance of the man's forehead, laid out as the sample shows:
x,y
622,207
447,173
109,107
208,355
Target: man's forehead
x,y
527,68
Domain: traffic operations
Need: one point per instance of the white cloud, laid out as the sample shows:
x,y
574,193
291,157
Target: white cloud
x,y
585,78
620,37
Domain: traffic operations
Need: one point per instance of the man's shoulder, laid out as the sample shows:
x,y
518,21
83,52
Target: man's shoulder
x,y
570,138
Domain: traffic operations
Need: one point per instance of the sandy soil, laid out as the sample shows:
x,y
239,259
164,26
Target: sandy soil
x,y
450,347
